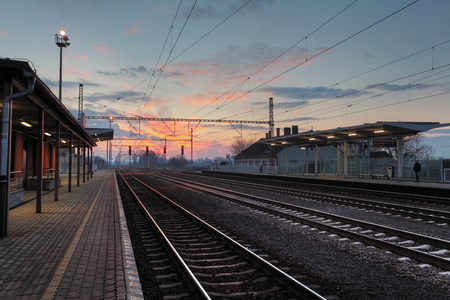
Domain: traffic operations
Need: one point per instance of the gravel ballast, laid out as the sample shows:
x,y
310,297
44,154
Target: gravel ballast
x,y
350,270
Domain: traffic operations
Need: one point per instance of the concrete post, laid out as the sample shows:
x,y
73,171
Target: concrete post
x,y
345,159
316,160
399,159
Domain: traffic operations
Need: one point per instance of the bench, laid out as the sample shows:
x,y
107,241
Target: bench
x,y
376,176
364,175
373,176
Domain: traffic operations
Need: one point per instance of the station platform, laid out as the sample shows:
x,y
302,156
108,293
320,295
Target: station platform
x,y
77,248
437,189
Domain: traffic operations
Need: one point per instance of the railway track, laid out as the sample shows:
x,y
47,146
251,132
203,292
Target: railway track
x,y
440,217
421,248
210,264
375,194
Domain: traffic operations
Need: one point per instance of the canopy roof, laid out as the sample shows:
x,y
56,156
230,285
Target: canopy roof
x,y
25,109
378,130
101,134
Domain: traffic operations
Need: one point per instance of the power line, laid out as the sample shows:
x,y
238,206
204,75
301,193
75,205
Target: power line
x,y
321,52
237,86
312,57
375,86
390,104
181,53
320,91
168,57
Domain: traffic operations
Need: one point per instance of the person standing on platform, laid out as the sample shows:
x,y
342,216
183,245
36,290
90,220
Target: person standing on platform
x,y
417,168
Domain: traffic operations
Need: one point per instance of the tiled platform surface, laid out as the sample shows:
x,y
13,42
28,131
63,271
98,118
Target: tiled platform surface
x,y
77,248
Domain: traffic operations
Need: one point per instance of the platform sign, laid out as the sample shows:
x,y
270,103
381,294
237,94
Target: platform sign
x,y
384,143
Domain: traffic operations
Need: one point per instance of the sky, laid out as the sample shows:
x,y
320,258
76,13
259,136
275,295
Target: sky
x,y
325,63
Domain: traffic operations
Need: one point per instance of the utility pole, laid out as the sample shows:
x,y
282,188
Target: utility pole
x,y
165,149
271,121
192,145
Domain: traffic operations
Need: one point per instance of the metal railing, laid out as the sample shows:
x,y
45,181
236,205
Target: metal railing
x,y
16,182
49,173
447,175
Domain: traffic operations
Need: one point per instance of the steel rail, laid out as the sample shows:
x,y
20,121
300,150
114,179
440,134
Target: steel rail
x,y
294,285
418,255
373,192
192,281
405,210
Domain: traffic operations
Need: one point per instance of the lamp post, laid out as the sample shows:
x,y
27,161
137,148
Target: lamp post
x,y
110,146
62,41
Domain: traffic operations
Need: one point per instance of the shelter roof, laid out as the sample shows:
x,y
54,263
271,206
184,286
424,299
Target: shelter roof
x,y
25,109
101,134
259,150
378,130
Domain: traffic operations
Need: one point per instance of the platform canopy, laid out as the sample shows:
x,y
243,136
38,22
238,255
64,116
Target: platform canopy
x,y
378,130
101,134
24,118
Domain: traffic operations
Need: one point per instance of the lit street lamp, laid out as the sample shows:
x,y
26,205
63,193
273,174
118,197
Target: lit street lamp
x,y
62,40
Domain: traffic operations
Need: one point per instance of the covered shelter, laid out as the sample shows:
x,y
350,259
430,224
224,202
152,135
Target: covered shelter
x,y
258,156
35,127
383,134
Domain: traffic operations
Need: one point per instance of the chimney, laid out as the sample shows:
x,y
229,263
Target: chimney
x,y
278,131
287,130
294,129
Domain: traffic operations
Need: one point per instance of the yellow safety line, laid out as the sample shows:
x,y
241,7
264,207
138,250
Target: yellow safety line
x,y
57,276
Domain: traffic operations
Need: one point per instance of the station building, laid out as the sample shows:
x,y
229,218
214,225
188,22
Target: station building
x,y
36,129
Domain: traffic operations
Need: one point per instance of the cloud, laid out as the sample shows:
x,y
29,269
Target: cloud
x,y
127,72
82,57
3,34
123,96
103,50
207,11
435,135
299,119
310,92
235,64
203,12
69,84
397,87
441,132
173,74
135,28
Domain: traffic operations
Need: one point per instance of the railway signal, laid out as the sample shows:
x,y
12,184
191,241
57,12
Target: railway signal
x,y
129,150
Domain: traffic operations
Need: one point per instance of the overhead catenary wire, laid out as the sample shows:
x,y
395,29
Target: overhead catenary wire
x,y
320,53
409,86
168,57
210,31
206,34
319,91
162,49
370,87
238,85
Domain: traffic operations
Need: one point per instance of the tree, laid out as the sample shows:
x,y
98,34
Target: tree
x,y
240,145
152,159
177,163
413,148
100,162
